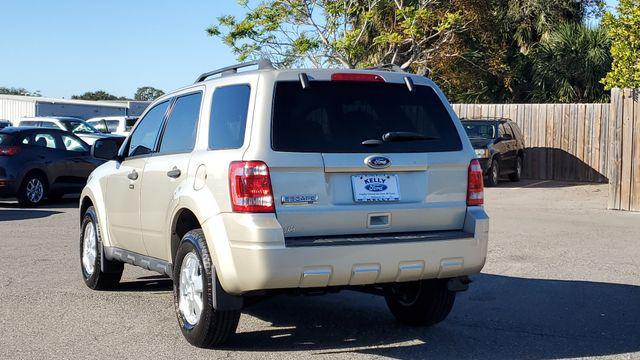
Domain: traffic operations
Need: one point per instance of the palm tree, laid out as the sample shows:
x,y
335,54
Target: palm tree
x,y
569,63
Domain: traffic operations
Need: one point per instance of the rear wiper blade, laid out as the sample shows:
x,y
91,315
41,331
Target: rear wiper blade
x,y
406,136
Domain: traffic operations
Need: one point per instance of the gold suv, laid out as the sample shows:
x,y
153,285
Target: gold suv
x,y
303,181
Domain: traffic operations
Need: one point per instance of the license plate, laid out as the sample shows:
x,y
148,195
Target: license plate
x,y
375,187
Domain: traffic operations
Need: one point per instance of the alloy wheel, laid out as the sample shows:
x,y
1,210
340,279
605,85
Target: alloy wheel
x,y
89,251
191,302
35,190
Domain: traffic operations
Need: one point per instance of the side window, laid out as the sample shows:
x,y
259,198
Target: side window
x,y
112,125
143,140
29,123
180,132
129,123
502,130
49,125
229,109
515,131
73,144
99,124
44,140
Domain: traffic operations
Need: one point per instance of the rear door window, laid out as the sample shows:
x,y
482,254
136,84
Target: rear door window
x,y
143,139
180,132
336,117
29,123
44,140
229,109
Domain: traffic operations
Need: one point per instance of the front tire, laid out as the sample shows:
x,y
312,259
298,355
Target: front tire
x,y
193,279
91,256
32,191
420,303
517,174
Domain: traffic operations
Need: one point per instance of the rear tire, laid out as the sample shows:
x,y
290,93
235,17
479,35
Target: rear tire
x,y
32,191
201,324
420,303
493,175
517,174
91,256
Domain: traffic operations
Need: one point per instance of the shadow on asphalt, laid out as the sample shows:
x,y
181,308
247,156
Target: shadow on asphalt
x,y
64,203
500,317
26,214
151,283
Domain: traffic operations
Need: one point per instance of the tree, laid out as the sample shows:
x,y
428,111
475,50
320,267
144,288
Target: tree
x,y
624,30
349,33
147,93
569,63
18,91
97,95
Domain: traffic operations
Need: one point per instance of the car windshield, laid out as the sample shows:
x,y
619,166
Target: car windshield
x,y
360,117
79,127
479,130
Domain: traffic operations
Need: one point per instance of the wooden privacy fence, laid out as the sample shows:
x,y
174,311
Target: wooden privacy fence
x,y
579,142
624,149
563,141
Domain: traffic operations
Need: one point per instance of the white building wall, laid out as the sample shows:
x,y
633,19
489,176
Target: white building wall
x,y
12,108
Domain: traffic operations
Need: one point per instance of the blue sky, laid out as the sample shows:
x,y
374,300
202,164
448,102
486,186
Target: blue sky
x,y
67,47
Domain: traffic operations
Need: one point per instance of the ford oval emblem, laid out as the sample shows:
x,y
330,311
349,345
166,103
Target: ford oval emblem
x,y
377,162
376,187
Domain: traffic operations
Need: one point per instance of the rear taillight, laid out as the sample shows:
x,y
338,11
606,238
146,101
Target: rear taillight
x,y
356,77
475,186
8,151
250,187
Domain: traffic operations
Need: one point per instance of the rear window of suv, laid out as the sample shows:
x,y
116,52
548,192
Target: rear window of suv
x,y
336,117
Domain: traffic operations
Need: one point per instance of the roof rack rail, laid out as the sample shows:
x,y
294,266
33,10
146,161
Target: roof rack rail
x,y
233,69
386,67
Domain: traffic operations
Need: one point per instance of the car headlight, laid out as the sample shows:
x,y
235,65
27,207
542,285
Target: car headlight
x,y
482,153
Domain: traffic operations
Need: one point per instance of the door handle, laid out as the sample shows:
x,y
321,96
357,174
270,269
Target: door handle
x,y
174,173
133,175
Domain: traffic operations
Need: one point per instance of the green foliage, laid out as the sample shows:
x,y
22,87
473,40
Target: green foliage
x,y
624,30
476,50
97,95
348,33
569,63
18,91
147,93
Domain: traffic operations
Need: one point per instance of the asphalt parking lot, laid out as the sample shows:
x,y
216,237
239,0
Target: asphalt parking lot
x,y
562,280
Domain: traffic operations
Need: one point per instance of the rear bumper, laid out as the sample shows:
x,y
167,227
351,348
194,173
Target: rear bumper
x,y
8,188
257,257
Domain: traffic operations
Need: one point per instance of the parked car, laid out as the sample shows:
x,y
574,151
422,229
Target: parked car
x,y
5,123
39,163
499,147
79,127
303,181
120,125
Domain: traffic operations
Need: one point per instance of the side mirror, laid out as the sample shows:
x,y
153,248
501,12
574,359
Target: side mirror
x,y
505,137
106,149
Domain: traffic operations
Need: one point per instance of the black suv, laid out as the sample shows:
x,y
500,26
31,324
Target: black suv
x,y
499,146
